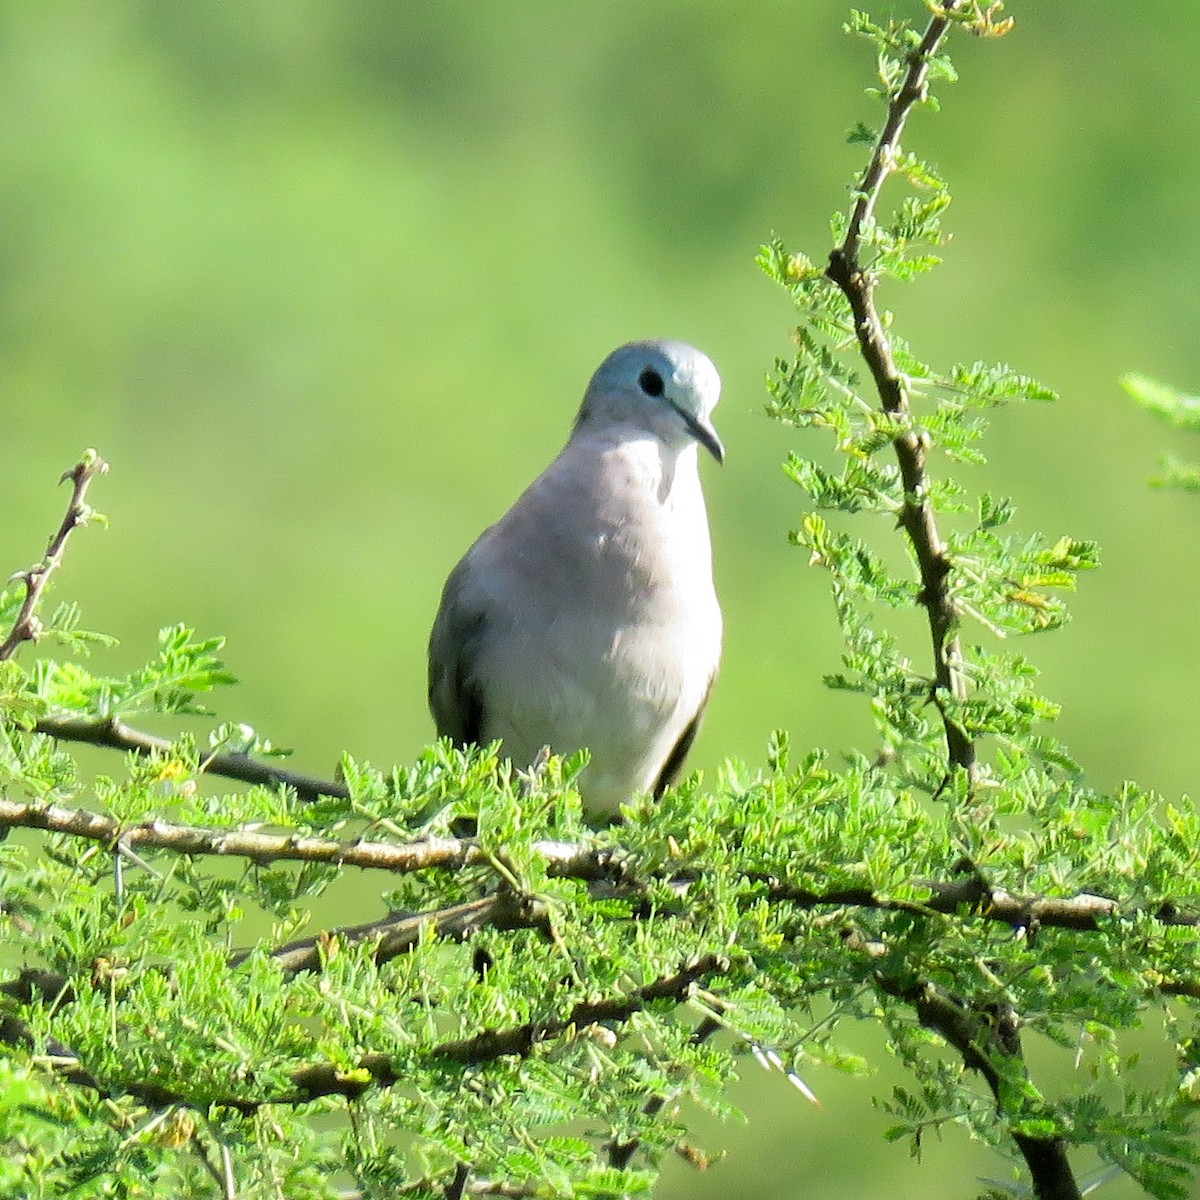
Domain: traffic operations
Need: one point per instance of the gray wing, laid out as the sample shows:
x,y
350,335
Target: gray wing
x,y
455,696
674,764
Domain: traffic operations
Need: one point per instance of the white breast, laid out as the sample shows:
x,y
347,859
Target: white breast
x,y
620,631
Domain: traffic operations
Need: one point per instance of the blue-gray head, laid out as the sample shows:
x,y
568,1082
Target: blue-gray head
x,y
666,388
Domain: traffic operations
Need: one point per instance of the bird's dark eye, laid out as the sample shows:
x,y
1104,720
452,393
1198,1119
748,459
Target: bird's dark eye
x,y
651,382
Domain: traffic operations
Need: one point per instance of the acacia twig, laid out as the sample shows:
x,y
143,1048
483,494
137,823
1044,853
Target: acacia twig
x,y
1084,912
520,1041
399,933
857,284
27,627
113,733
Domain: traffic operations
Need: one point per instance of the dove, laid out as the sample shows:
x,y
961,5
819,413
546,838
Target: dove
x,y
586,616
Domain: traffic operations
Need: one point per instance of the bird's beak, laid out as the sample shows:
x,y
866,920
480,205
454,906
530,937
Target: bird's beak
x,y
703,431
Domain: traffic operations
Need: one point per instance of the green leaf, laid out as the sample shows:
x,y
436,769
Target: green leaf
x,y
1164,401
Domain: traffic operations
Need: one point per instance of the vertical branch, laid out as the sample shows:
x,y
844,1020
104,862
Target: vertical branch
x,y
27,627
457,1187
858,285
980,1039
988,1041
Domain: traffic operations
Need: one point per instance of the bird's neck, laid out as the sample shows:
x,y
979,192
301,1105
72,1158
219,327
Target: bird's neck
x,y
652,465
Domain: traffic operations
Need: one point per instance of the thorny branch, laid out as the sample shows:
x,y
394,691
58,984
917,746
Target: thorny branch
x,y
963,1028
857,284
112,732
27,627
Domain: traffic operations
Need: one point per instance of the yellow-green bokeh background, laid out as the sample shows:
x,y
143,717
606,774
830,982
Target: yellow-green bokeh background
x,y
324,281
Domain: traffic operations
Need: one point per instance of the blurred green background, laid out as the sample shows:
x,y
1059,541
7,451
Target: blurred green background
x,y
324,282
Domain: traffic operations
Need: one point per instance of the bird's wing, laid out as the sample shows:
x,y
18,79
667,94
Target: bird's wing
x,y
674,764
510,575
455,697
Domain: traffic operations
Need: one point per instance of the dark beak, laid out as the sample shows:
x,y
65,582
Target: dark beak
x,y
705,434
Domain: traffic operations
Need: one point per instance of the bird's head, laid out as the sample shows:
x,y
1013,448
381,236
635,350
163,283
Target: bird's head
x,y
667,388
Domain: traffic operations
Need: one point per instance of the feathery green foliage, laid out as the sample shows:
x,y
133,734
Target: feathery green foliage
x,y
1176,409
542,1009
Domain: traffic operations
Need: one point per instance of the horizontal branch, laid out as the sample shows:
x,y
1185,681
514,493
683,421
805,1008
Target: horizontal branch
x,y
377,1070
1083,912
564,860
398,933
394,935
516,1042
520,1041
114,734
259,847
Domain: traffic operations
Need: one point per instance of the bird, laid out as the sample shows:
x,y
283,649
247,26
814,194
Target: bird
x,y
586,616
